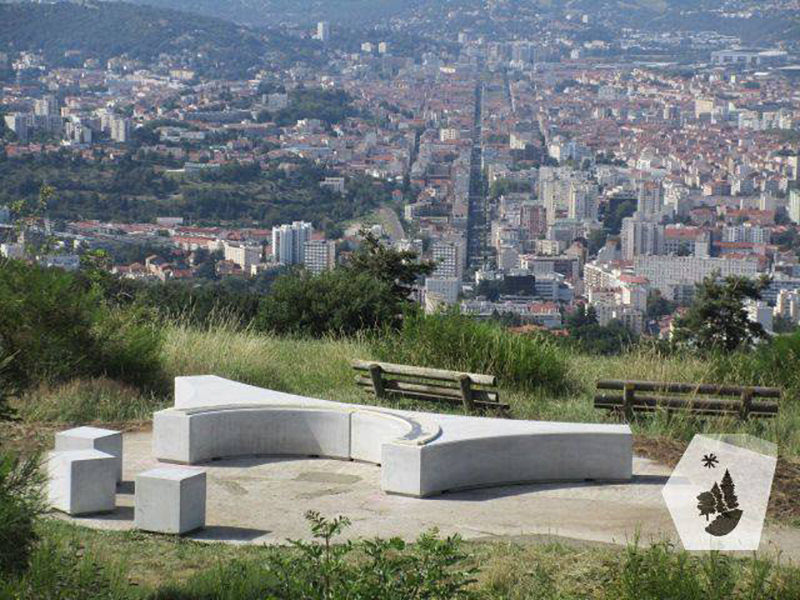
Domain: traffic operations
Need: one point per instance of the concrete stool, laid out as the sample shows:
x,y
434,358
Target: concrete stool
x,y
92,438
82,481
170,500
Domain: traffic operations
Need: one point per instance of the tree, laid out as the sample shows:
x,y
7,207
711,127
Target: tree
x,y
717,319
597,239
337,302
658,306
728,492
706,504
398,269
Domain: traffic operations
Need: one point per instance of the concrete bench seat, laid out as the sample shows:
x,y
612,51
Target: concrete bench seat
x,y
81,482
92,438
170,500
420,454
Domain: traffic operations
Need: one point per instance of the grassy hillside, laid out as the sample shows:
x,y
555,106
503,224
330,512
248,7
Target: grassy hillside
x,y
321,369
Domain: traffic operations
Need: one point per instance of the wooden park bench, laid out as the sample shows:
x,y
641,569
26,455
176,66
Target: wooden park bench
x,y
473,390
698,399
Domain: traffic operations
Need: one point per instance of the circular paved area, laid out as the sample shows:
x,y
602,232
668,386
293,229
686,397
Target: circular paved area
x,y
264,500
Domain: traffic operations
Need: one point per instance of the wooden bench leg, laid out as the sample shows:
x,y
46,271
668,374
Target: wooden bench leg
x,y
376,373
465,383
747,403
627,401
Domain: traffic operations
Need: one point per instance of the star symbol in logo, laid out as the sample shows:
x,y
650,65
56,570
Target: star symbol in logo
x,y
710,461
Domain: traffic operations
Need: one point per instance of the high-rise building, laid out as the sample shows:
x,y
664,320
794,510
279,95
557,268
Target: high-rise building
x,y
243,255
288,242
319,256
649,199
668,272
18,123
450,257
47,106
794,206
120,130
323,31
748,234
641,238
582,201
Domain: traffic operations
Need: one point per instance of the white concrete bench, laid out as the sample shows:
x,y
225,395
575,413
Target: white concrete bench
x,y
170,500
81,481
420,454
92,438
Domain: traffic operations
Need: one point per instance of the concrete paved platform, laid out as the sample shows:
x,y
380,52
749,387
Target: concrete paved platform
x,y
263,500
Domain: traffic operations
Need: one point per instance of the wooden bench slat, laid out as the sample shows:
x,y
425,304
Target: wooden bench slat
x,y
689,388
435,397
393,385
713,404
698,412
411,371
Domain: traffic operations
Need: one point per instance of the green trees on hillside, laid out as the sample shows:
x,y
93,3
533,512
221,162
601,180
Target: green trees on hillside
x,y
369,293
717,319
134,189
592,337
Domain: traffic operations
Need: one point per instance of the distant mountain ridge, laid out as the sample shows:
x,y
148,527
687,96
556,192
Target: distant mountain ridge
x,y
106,29
767,26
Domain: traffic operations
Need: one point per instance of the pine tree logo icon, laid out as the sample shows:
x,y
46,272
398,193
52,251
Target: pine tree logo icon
x,y
720,501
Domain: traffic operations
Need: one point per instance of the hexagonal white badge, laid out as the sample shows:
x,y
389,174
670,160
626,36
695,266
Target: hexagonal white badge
x,y
719,491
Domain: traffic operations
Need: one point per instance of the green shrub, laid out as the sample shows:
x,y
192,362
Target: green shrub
x,y
55,328
46,323
458,342
432,569
129,349
337,302
21,503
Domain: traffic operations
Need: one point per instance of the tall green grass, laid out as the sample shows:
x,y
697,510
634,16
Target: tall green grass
x,y
75,562
458,342
89,400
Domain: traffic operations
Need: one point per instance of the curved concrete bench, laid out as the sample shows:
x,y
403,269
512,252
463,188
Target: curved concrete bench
x,y
195,435
420,454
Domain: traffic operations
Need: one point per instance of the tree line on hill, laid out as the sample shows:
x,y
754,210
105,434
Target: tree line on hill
x,y
136,189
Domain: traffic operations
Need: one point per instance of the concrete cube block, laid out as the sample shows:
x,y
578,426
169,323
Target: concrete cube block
x,y
82,481
92,438
170,500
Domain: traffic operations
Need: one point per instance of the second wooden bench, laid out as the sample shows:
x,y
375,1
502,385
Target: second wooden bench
x,y
473,390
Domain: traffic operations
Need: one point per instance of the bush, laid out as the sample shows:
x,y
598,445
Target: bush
x,y
458,342
336,302
772,363
21,503
54,328
432,569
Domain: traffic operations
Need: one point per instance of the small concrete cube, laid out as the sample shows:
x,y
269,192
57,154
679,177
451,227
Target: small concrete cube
x,y
82,481
92,438
170,500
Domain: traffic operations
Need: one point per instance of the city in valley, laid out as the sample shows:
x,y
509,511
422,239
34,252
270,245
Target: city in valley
x,y
399,299
576,164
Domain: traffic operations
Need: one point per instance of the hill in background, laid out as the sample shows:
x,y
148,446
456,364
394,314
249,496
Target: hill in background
x,y
140,32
